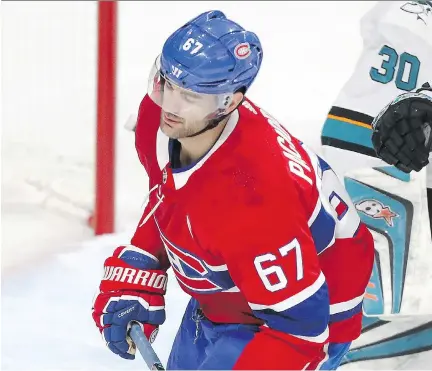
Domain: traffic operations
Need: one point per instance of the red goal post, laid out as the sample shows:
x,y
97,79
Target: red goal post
x,y
103,219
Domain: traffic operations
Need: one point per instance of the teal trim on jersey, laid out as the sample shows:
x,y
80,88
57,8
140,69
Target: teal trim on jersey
x,y
394,172
408,342
347,132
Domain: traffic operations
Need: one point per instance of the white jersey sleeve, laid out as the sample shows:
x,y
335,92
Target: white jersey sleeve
x,y
396,57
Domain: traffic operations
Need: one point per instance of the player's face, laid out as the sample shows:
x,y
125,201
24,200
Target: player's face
x,y
184,112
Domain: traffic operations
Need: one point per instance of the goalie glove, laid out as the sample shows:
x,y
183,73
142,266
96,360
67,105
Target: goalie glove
x,y
402,131
132,290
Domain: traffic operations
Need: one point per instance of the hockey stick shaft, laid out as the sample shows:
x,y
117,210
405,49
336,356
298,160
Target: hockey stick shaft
x,y
144,347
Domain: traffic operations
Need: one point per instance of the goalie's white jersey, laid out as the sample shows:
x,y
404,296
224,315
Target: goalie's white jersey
x,y
396,58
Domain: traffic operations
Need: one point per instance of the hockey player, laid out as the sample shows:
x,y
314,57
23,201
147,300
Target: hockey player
x,y
395,62
256,227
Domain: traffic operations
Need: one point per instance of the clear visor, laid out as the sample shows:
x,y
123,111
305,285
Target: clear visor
x,y
182,102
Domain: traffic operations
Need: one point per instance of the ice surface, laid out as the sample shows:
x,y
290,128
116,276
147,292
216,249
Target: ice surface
x,y
46,314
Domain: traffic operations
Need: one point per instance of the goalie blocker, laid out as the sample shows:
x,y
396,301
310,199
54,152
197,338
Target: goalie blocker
x,y
402,131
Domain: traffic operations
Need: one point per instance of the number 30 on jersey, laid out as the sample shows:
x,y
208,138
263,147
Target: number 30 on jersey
x,y
406,67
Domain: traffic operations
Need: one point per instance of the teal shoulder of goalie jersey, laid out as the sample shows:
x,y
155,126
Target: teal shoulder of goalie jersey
x,y
349,130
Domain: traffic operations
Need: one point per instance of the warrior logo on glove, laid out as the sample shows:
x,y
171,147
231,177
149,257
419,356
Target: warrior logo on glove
x,y
131,291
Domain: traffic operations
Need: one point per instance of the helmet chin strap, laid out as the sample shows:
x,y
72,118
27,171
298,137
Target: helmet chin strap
x,y
212,123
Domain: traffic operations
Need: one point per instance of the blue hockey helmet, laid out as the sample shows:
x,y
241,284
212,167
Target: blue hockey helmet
x,y
209,55
215,55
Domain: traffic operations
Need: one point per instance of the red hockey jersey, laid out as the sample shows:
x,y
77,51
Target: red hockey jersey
x,y
259,230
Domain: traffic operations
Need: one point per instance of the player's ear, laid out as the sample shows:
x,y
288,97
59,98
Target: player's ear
x,y
236,101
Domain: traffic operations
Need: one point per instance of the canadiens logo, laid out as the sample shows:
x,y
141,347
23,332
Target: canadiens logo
x,y
242,51
194,274
377,210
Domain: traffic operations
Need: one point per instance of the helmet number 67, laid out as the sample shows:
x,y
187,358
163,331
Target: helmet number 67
x,y
192,42
282,281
